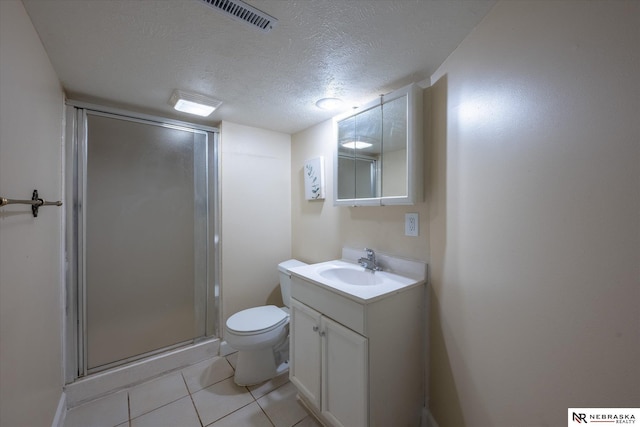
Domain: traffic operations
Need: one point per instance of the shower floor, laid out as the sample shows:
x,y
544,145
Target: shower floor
x,y
199,395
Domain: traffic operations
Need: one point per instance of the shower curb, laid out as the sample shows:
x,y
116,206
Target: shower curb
x,y
107,382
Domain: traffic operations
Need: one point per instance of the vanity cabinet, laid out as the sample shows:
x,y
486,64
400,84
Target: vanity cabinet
x,y
330,366
358,363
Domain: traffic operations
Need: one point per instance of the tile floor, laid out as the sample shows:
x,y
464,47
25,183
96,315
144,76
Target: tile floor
x,y
201,395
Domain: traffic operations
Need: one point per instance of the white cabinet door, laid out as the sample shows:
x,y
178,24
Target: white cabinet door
x,y
305,351
344,375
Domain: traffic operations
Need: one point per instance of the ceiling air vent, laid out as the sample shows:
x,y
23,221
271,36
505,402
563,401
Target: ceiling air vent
x,y
244,12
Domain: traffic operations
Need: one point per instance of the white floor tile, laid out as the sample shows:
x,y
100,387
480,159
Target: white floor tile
x,y
206,373
282,407
233,359
309,421
215,401
179,413
249,416
108,411
257,391
219,400
153,394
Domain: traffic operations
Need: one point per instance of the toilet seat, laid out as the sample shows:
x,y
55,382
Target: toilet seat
x,y
257,320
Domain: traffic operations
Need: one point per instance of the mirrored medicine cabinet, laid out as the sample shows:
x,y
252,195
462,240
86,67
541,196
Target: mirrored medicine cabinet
x,y
378,151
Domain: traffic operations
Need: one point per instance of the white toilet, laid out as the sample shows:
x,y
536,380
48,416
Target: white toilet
x,y
261,335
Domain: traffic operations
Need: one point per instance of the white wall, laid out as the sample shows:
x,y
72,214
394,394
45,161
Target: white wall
x,y
316,233
31,115
256,215
535,216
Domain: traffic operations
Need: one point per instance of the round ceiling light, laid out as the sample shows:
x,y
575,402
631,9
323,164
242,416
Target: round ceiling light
x,y
329,103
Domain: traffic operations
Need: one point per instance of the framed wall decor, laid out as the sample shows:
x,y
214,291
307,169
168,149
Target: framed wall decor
x,y
314,179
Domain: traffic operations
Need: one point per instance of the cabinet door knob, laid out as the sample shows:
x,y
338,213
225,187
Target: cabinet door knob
x,y
322,333
315,329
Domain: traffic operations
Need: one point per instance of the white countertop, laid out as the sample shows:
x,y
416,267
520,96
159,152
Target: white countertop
x,y
386,282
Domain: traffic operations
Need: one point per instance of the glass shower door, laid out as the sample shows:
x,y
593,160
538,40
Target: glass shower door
x,y
145,239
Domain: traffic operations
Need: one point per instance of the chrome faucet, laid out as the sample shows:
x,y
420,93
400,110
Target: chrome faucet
x,y
369,263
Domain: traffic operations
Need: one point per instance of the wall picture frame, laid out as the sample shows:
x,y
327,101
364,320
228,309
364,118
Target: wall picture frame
x,y
314,179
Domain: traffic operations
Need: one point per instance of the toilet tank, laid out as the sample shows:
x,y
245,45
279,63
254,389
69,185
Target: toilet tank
x,y
285,278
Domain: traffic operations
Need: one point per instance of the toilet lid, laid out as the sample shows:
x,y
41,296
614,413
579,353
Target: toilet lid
x,y
257,319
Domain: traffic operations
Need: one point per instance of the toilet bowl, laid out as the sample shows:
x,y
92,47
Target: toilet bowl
x,y
261,335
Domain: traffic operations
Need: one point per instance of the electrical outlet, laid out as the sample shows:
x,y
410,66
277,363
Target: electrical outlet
x,y
411,224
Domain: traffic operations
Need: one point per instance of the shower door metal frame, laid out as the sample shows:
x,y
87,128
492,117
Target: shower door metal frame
x,y
75,166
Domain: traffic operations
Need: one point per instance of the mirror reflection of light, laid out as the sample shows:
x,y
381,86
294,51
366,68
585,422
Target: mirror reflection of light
x,y
358,145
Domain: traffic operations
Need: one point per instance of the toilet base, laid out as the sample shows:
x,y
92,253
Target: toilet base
x,y
255,367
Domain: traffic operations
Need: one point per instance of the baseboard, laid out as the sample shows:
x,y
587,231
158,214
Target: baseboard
x,y
427,418
226,349
61,411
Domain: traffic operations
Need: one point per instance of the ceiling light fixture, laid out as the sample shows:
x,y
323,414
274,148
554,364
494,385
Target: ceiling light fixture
x,y
329,103
358,145
193,103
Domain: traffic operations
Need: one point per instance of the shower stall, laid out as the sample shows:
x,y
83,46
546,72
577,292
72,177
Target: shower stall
x,y
142,237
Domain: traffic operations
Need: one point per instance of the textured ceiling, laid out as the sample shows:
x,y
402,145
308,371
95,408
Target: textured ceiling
x,y
134,53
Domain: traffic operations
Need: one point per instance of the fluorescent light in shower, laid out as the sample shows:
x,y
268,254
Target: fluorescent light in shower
x,y
358,145
193,103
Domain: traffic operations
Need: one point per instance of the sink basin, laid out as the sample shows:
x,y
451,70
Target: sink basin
x,y
355,275
348,278
354,281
